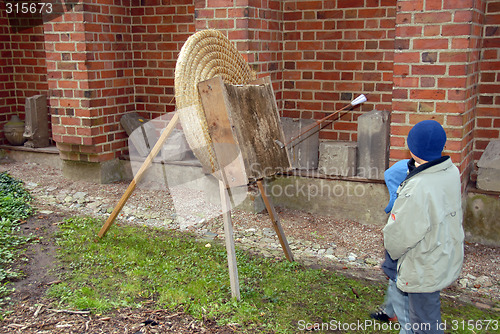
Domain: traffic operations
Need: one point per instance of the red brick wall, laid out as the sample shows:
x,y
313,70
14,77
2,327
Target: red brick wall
x,y
109,59
7,85
28,61
334,51
487,123
159,29
23,72
436,73
264,48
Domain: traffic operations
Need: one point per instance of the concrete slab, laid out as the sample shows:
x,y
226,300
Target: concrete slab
x,y
343,199
45,156
488,173
481,223
176,147
337,158
142,133
37,122
303,152
189,179
373,144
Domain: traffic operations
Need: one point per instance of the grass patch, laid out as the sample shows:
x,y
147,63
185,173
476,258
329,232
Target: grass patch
x,y
14,208
135,265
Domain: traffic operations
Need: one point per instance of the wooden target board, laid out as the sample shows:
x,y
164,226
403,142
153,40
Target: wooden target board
x,y
244,124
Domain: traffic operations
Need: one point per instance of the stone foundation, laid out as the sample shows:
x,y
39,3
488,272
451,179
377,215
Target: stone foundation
x,y
98,172
350,199
481,221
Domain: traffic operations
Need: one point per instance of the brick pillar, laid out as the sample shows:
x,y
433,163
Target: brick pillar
x,y
436,71
90,81
487,125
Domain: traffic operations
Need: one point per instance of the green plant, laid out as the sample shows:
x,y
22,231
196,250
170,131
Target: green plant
x,y
14,207
14,199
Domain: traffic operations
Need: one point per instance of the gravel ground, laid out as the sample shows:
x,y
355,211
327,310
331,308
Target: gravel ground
x,y
316,240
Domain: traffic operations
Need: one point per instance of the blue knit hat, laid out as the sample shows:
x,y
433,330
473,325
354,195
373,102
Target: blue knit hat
x,y
426,140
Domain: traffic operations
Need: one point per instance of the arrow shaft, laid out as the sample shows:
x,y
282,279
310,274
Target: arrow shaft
x,y
318,122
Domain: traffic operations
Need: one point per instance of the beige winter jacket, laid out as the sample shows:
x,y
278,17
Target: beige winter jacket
x,y
424,230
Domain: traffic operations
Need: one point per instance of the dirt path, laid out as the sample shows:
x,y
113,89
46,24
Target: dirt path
x,y
39,266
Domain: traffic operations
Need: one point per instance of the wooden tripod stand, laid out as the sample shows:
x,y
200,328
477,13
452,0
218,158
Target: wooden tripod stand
x,y
269,157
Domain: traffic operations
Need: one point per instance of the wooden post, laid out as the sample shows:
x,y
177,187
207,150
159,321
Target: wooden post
x,y
229,238
149,159
276,223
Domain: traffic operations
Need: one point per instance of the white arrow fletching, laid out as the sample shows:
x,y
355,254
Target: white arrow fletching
x,y
360,99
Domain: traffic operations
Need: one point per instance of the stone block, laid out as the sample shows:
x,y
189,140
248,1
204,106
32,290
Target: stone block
x,y
337,158
175,147
488,173
481,223
373,144
253,202
303,152
36,129
142,134
95,172
4,158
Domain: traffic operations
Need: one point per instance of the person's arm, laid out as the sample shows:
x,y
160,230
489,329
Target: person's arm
x,y
408,223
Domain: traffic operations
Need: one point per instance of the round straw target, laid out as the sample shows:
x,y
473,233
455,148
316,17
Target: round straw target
x,y
206,54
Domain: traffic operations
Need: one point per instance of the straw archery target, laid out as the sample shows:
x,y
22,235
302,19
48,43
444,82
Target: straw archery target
x,y
206,54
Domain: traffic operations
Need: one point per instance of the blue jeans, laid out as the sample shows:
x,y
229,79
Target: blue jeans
x,y
397,304
425,312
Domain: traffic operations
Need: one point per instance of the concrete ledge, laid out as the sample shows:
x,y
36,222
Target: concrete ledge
x,y
360,201
189,175
45,156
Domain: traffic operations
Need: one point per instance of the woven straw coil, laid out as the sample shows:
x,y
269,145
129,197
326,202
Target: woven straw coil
x,y
206,54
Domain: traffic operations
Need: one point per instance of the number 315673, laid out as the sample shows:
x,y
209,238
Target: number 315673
x,y
29,7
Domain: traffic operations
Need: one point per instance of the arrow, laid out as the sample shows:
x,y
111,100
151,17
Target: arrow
x,y
360,99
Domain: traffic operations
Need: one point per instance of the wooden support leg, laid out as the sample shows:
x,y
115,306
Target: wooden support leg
x,y
276,223
168,130
228,236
